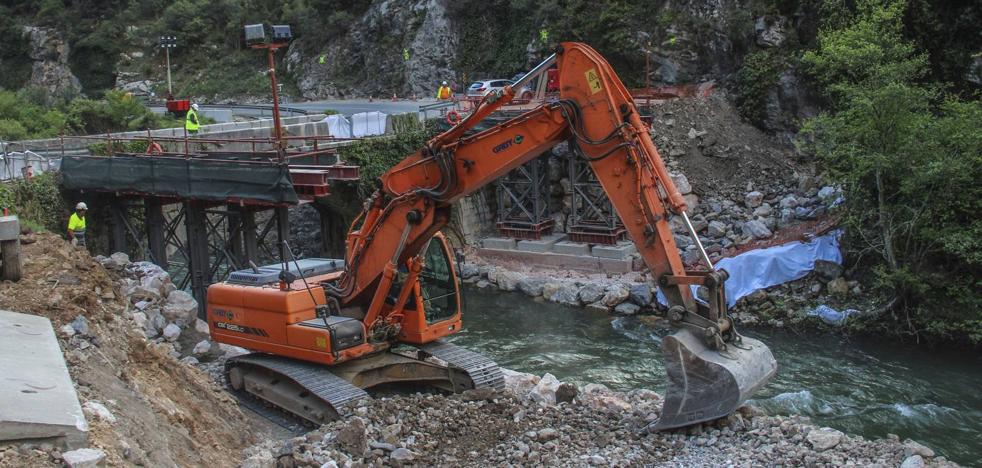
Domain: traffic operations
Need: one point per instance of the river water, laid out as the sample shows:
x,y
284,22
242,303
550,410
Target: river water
x,y
857,387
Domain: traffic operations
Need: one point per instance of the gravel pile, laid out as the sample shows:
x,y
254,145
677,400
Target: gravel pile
x,y
590,426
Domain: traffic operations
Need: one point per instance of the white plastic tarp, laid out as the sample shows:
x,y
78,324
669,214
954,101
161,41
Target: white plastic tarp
x,y
12,164
368,124
763,268
338,126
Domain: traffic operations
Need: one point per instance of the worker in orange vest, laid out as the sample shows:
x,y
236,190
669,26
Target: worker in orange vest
x,y
444,92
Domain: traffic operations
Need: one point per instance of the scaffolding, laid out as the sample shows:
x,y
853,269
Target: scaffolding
x,y
523,201
592,218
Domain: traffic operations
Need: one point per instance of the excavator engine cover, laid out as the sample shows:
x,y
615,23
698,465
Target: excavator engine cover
x,y
706,384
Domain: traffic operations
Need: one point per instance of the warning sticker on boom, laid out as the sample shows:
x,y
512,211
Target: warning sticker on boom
x,y
594,80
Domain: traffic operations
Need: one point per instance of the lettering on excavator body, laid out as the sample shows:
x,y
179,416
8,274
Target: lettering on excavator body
x,y
517,140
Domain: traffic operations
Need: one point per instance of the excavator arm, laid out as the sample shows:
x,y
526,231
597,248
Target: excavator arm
x,y
711,367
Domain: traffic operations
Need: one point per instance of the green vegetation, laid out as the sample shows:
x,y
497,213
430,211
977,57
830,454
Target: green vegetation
x,y
36,201
16,70
25,115
377,155
909,157
756,78
617,28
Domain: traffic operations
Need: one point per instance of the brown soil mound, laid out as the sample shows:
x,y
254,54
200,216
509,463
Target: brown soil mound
x,y
167,413
718,152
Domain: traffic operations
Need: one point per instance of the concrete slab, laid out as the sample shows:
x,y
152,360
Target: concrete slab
x,y
564,262
542,245
9,228
620,251
37,398
500,243
571,248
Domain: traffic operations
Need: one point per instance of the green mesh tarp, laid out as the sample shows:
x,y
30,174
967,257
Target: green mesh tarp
x,y
201,179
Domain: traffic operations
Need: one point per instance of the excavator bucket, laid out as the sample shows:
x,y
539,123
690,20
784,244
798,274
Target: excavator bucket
x,y
705,384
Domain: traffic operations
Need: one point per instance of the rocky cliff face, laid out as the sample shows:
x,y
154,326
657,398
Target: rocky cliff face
x,y
370,60
50,70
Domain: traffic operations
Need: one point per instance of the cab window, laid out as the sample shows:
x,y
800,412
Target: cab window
x,y
438,287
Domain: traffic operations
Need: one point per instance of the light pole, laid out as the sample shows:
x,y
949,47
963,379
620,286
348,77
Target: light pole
x,y
255,35
167,43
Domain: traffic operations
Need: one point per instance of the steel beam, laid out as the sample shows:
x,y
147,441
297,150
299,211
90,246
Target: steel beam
x,y
156,230
282,231
249,240
117,237
235,234
198,262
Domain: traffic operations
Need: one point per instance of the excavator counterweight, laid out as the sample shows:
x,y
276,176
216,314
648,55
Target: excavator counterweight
x,y
397,285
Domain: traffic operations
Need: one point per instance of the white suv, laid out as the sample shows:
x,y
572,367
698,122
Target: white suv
x,y
482,88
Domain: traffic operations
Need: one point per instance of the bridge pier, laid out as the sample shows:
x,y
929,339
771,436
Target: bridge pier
x,y
197,252
155,224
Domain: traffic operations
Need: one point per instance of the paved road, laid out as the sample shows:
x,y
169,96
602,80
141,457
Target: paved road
x,y
354,106
347,107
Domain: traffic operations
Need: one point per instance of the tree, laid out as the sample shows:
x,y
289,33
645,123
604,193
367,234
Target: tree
x,y
909,167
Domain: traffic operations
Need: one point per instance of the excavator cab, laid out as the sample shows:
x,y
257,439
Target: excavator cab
x,y
439,290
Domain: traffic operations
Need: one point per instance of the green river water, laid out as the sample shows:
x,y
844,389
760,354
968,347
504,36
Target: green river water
x,y
931,396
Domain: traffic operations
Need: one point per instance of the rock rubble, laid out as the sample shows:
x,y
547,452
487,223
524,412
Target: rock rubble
x,y
524,425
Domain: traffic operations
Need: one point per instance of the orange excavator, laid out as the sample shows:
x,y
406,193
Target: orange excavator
x,y
325,331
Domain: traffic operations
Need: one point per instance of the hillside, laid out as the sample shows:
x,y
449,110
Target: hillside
x,y
348,48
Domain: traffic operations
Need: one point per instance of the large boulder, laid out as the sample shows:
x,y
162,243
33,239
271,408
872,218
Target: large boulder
x,y
626,308
754,199
615,294
682,183
83,458
353,437
591,292
567,294
824,438
757,229
531,286
544,392
716,229
468,270
172,332
641,294
507,280
519,383
180,308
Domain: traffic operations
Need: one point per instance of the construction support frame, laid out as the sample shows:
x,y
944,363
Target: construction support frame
x,y
523,201
592,218
197,242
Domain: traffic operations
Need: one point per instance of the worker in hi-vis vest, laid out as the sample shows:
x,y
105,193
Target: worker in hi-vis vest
x,y
76,225
444,92
191,122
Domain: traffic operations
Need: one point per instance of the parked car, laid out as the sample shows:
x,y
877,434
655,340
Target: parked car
x,y
483,87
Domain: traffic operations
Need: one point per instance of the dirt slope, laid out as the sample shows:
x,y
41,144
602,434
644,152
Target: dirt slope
x,y
705,139
167,413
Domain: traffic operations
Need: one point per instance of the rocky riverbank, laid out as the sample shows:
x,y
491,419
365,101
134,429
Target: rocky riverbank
x,y
794,304
542,422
